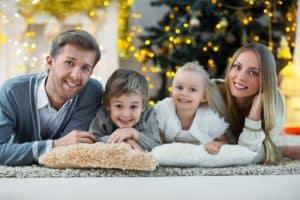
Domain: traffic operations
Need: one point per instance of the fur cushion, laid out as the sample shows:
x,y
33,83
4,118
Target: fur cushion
x,y
98,155
189,155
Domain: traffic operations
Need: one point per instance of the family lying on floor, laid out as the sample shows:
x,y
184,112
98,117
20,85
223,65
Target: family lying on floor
x,y
64,106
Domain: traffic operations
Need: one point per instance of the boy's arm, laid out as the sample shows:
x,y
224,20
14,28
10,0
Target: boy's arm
x,y
149,136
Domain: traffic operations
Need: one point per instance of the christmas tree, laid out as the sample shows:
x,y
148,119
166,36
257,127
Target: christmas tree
x,y
210,31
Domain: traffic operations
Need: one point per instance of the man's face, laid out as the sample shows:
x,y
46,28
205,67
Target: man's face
x,y
69,72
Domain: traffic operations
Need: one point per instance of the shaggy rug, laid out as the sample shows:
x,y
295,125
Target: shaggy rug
x,y
36,171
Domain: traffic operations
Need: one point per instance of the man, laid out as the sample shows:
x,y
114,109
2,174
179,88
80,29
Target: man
x,y
42,111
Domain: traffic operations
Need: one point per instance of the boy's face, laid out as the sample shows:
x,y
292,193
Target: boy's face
x,y
188,90
69,72
126,110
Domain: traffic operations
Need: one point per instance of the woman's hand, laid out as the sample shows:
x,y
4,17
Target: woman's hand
x,y
256,108
213,147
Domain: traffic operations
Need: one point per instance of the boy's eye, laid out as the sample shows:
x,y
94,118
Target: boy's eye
x,y
118,106
133,107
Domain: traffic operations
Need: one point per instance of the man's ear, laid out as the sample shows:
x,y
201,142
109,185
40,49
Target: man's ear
x,y
49,61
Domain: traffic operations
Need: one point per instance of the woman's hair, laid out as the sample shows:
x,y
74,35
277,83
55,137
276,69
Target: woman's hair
x,y
272,99
195,67
125,81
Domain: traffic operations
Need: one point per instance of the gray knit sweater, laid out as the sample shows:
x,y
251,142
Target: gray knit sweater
x,y
20,131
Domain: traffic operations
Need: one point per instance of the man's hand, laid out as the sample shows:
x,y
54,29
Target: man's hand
x,y
121,134
74,137
213,147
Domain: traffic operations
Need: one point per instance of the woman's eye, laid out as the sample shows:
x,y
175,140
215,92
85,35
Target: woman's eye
x,y
237,66
253,73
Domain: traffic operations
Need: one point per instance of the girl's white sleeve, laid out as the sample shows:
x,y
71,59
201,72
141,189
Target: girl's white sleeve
x,y
252,135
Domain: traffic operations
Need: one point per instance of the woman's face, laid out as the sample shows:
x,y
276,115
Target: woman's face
x,y
244,76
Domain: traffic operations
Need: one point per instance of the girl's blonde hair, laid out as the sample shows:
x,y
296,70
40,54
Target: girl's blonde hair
x,y
273,103
125,81
199,69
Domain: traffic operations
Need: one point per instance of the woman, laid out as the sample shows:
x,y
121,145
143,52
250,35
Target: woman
x,y
251,102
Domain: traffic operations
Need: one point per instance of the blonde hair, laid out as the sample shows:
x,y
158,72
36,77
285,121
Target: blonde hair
x,y
125,81
199,69
273,104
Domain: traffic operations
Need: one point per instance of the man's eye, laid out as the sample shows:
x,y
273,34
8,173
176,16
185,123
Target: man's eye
x,y
69,62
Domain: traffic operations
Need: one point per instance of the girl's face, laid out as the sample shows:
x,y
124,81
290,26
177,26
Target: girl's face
x,y
244,76
126,110
188,90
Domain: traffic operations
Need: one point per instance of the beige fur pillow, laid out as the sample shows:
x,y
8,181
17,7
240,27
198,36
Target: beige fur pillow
x,y
98,155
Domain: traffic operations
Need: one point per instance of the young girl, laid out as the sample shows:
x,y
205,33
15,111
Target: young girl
x,y
185,117
251,102
124,116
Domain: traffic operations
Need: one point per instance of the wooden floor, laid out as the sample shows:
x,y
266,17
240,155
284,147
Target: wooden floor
x,y
187,188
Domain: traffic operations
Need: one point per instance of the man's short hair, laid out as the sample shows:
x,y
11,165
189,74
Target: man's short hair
x,y
79,38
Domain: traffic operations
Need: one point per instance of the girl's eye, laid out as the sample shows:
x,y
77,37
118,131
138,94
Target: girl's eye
x,y
193,89
179,87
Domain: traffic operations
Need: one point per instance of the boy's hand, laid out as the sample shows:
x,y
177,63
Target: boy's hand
x,y
121,134
134,144
256,108
213,147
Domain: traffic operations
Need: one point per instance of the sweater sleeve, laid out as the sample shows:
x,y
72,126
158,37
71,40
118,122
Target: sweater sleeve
x,y
98,126
13,152
252,135
149,134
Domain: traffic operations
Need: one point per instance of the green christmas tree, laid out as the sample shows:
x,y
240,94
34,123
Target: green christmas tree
x,y
210,31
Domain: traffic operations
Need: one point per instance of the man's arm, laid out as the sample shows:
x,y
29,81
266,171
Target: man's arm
x,y
12,153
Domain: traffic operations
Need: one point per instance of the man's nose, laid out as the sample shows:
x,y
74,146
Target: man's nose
x,y
76,73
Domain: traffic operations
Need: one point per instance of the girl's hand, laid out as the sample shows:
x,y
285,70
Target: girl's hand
x,y
256,108
121,134
213,147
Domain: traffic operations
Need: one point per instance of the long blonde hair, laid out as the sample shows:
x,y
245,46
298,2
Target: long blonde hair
x,y
273,104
